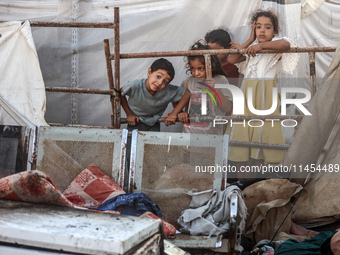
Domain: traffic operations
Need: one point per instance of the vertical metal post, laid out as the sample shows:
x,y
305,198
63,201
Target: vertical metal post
x,y
133,155
312,72
207,60
123,149
116,114
109,75
208,71
225,157
34,149
75,63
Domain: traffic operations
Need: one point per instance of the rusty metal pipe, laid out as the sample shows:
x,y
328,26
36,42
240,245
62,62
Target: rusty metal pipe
x,y
76,125
207,59
73,24
79,90
109,75
312,72
116,100
33,161
234,118
116,103
217,52
260,145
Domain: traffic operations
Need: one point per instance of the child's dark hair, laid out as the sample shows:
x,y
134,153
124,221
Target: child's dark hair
x,y
216,67
269,14
163,64
220,36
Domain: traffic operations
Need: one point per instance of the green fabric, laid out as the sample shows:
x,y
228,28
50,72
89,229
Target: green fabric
x,y
311,246
326,246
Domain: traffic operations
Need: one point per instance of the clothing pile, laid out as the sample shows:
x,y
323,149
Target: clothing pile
x,y
209,213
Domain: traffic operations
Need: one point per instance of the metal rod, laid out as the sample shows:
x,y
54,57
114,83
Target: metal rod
x,y
73,24
218,52
237,118
256,145
234,118
78,126
33,162
260,145
79,90
110,76
207,59
312,72
116,114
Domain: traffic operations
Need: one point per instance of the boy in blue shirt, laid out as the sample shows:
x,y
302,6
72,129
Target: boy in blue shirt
x,y
149,98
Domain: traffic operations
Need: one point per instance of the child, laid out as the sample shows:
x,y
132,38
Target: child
x,y
195,83
260,72
149,98
220,39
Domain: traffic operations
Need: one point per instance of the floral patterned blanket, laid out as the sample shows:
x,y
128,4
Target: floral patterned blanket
x,y
90,188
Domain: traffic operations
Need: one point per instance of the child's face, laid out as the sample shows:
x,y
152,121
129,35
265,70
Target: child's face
x,y
264,29
197,69
216,46
157,80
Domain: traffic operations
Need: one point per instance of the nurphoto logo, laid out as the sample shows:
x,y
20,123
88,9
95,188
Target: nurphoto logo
x,y
239,102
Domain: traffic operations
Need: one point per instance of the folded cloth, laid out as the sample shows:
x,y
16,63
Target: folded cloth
x,y
133,204
209,212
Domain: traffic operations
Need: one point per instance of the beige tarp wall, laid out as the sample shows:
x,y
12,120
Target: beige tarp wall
x,y
316,144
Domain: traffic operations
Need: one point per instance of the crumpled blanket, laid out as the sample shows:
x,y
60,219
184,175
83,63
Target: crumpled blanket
x,y
32,186
35,187
134,204
209,212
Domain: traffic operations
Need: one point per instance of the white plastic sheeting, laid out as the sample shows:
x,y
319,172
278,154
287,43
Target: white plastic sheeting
x,y
22,90
310,6
75,57
322,28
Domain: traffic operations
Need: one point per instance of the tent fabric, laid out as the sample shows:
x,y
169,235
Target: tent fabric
x,y
308,7
11,117
320,29
317,136
268,203
313,131
318,204
21,83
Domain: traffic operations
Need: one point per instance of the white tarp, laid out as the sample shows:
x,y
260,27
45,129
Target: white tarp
x,y
22,90
321,29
